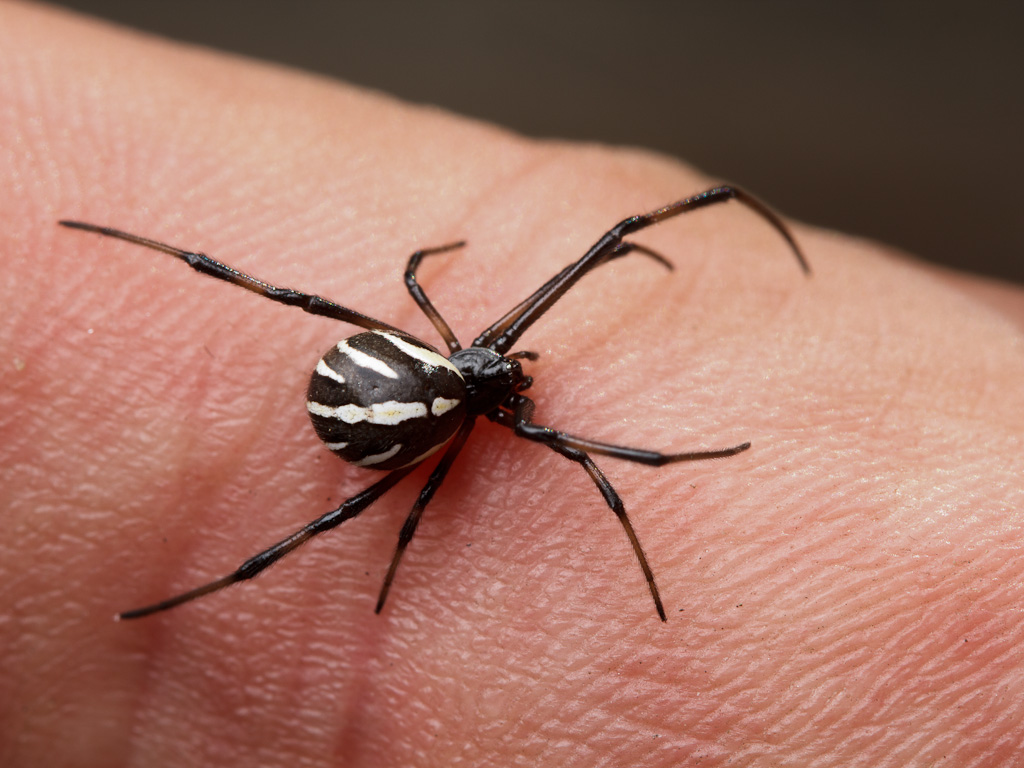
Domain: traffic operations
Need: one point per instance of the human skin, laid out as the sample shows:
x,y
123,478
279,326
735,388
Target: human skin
x,y
847,592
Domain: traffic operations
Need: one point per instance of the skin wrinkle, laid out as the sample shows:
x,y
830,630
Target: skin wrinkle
x,y
842,594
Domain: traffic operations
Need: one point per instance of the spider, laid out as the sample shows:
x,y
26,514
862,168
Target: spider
x,y
385,400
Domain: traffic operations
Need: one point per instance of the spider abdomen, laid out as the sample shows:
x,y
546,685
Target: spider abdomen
x,y
385,400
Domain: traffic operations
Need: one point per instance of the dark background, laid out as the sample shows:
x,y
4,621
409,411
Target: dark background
x,y
900,121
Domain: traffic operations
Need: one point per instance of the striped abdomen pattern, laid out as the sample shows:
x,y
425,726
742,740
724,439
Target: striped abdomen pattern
x,y
384,400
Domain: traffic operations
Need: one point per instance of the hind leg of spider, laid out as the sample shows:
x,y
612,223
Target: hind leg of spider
x,y
200,262
521,421
413,520
262,561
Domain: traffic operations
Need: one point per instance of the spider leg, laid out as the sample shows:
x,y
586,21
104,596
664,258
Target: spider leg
x,y
421,299
427,307
520,423
523,355
268,557
523,426
413,520
314,305
502,335
615,503
622,249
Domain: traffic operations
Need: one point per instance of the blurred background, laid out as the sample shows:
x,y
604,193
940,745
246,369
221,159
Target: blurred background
x,y
899,121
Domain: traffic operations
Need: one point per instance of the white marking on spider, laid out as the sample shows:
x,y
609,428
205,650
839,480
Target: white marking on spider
x,y
429,453
364,360
329,373
388,413
425,356
442,405
378,458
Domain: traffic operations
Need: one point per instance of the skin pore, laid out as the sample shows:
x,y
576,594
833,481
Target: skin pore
x,y
844,593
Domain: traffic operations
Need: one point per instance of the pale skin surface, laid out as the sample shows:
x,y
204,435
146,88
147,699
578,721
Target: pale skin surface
x,y
848,592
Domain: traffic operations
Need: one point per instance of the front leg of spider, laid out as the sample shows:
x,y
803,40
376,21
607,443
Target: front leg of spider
x,y
385,400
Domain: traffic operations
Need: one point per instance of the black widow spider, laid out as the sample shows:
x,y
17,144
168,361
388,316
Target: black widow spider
x,y
386,400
